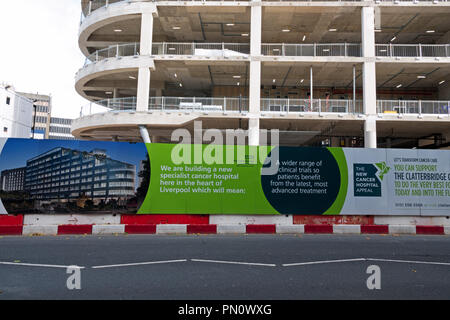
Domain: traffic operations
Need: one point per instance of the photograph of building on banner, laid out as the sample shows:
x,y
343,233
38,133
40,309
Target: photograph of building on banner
x,y
64,177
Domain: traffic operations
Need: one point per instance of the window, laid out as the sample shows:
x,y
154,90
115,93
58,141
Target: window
x,y
8,101
5,129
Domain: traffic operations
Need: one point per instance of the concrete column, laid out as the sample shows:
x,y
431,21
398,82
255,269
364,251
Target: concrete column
x,y
146,34
115,93
369,76
253,132
370,132
158,92
255,72
143,90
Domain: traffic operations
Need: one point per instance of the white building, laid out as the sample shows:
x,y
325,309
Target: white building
x,y
338,73
16,114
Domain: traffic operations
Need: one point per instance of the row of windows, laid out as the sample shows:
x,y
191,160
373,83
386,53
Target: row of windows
x,y
42,109
40,119
64,130
45,193
61,121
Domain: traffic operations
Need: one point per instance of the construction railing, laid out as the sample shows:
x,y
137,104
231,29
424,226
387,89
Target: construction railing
x,y
180,104
168,49
306,105
313,50
107,105
413,107
412,50
241,105
93,5
199,104
296,50
202,49
116,51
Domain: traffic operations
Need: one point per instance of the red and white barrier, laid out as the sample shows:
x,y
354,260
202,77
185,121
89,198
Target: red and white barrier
x,y
167,224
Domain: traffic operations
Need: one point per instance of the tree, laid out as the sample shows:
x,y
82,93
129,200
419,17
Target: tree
x,y
145,174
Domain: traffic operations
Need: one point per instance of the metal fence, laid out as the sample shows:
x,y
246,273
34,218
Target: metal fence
x,y
413,107
412,50
313,50
305,105
181,104
93,5
202,49
199,104
162,49
241,105
108,105
296,50
120,50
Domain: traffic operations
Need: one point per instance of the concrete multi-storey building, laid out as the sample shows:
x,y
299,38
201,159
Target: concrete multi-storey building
x,y
13,180
42,109
15,113
339,73
65,174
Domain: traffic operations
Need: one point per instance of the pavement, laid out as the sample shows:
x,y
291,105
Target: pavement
x,y
231,267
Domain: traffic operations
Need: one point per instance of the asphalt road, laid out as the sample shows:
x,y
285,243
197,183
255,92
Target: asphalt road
x,y
254,267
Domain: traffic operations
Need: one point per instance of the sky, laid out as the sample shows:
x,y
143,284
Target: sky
x,y
39,51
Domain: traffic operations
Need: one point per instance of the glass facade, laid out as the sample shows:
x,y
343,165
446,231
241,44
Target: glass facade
x,y
64,173
13,180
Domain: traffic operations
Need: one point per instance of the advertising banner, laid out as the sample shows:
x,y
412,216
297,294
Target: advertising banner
x,y
43,176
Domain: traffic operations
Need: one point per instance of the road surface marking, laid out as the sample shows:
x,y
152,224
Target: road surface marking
x,y
415,262
322,262
138,264
234,262
35,265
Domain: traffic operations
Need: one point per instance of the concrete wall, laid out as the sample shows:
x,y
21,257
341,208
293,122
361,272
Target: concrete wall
x,y
16,120
444,91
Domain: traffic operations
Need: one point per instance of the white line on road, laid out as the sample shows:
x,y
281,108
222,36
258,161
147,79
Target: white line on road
x,y
415,262
138,264
234,262
322,262
36,265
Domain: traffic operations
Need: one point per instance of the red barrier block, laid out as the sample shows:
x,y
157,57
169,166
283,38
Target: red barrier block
x,y
7,220
375,229
140,229
430,230
11,230
319,229
74,229
261,228
331,220
202,229
164,219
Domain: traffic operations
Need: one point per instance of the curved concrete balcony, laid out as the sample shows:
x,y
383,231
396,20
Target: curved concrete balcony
x,y
165,50
90,6
268,105
200,105
239,51
110,66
